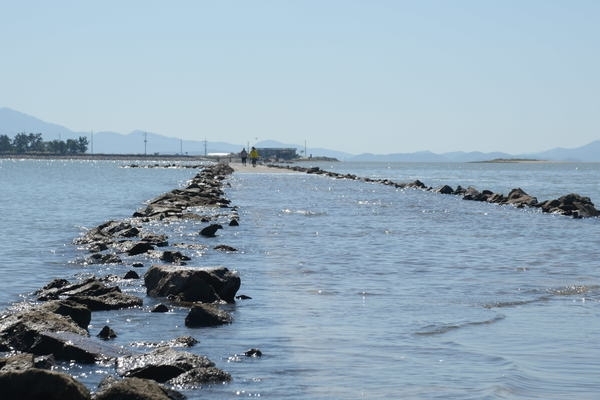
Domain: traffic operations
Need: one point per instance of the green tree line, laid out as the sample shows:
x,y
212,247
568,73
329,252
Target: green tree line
x,y
32,143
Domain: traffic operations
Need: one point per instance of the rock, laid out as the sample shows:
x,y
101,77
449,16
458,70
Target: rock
x,y
160,365
79,313
174,257
243,297
192,284
161,308
224,247
135,389
16,362
131,275
137,265
519,198
199,376
39,331
445,190
107,333
94,294
136,248
253,353
40,384
114,300
210,230
571,204
205,315
234,222
98,258
155,239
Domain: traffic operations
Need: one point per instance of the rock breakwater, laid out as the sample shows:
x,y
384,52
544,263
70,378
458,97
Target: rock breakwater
x,y
55,327
572,204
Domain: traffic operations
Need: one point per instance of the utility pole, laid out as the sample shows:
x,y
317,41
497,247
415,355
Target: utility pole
x,y
205,153
145,142
92,140
181,146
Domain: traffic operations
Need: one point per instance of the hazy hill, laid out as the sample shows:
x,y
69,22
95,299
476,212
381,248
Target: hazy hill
x,y
140,142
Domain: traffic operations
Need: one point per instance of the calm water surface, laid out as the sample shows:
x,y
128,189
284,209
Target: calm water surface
x,y
358,290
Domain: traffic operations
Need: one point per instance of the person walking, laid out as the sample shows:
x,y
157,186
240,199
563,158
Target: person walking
x,y
244,156
254,156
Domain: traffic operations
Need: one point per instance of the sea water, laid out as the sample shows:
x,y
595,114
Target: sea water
x,y
359,290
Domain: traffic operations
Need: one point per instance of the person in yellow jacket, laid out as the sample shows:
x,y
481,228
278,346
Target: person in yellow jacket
x,y
254,156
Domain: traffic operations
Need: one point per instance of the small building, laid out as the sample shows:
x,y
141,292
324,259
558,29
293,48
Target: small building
x,y
273,153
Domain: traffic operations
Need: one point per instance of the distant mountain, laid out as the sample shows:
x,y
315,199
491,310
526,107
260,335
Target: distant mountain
x,y
13,122
139,142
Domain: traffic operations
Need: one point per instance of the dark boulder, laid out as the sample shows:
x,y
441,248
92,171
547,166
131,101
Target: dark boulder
x,y
234,222
445,190
79,313
192,284
40,384
210,230
519,198
107,333
571,204
175,257
205,315
160,308
135,248
131,275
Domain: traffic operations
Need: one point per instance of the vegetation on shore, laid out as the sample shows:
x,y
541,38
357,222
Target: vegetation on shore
x,y
32,143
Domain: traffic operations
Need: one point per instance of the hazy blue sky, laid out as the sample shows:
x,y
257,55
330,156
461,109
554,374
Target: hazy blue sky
x,y
357,76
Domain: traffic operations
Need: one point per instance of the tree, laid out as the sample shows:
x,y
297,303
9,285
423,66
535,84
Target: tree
x,y
5,144
21,143
56,147
83,144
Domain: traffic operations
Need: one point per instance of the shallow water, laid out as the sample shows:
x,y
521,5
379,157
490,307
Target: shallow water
x,y
359,290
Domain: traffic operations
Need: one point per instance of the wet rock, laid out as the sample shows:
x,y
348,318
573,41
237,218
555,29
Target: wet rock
x,y
131,275
160,308
160,365
210,230
243,297
175,257
137,265
519,198
253,353
107,333
445,190
135,248
199,376
134,389
99,258
192,284
113,300
571,204
79,313
224,247
234,222
40,384
205,315
155,239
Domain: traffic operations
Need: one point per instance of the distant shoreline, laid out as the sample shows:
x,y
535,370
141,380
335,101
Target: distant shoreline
x,y
514,160
171,157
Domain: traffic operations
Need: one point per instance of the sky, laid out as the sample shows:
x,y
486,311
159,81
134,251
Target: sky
x,y
373,76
